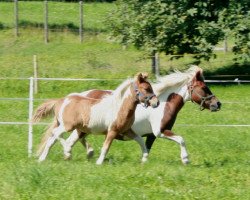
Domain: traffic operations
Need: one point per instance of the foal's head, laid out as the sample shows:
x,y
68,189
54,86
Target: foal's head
x,y
201,94
144,91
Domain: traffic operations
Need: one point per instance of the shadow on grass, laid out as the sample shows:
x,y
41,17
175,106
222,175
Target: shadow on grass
x,y
241,71
70,27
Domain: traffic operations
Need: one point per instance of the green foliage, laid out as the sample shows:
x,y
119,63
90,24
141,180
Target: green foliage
x,y
235,22
168,26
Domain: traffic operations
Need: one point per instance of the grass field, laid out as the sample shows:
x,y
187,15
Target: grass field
x,y
219,155
219,167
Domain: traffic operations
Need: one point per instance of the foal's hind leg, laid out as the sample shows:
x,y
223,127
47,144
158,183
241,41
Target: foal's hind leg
x,y
90,150
51,140
69,143
171,136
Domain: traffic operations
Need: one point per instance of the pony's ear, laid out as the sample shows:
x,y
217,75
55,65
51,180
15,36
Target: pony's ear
x,y
199,75
140,77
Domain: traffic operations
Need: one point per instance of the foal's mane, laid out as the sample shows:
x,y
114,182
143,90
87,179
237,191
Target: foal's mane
x,y
121,89
175,79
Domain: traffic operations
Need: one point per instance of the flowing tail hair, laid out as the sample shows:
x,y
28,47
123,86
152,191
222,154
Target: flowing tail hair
x,y
44,110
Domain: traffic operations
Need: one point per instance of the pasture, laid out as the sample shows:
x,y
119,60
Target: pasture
x,y
219,155
219,167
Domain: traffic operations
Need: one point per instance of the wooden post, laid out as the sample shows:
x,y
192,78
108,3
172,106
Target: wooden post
x,y
16,17
30,133
155,63
225,45
35,74
46,34
81,21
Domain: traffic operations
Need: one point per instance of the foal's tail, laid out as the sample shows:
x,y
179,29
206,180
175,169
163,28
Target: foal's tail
x,y
44,110
45,137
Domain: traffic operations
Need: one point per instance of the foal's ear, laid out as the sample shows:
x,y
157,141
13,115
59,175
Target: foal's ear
x,y
141,76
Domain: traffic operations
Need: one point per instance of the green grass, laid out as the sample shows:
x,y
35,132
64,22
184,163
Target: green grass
x,y
219,167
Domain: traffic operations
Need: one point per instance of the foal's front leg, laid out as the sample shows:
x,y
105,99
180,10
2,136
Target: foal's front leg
x,y
106,145
171,136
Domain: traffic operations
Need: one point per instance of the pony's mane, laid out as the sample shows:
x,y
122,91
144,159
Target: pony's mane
x,y
175,79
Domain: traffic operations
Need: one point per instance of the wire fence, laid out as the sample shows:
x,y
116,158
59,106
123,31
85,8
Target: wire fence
x,y
51,16
31,100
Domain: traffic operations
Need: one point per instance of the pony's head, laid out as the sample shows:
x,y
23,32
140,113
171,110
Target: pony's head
x,y
201,94
144,91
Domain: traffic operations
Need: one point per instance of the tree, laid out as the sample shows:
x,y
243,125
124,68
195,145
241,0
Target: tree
x,y
235,22
173,27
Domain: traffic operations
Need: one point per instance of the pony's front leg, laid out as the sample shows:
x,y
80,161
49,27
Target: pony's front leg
x,y
51,140
171,136
106,145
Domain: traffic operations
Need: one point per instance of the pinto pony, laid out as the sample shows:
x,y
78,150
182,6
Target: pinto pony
x,y
111,115
173,91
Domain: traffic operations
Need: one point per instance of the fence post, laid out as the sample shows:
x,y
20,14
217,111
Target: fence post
x,y
225,45
46,34
157,65
81,21
30,133
35,74
16,17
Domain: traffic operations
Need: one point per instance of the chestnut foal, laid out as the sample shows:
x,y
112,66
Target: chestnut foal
x,y
112,115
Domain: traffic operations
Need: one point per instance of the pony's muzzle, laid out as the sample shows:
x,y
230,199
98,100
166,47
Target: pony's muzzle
x,y
215,106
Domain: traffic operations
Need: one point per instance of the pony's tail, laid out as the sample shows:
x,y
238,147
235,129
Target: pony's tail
x,y
44,110
45,137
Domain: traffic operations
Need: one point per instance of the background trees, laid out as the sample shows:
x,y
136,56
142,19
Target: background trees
x,y
183,26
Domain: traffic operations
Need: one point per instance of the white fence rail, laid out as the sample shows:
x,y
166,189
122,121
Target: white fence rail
x,y
31,99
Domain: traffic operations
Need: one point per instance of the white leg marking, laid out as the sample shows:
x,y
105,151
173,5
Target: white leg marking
x,y
144,150
51,140
69,143
181,142
102,156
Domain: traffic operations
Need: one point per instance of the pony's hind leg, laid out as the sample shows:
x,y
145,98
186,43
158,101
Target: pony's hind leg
x,y
51,140
171,136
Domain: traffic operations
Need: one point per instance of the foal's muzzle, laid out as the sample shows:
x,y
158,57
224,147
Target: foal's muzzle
x,y
154,102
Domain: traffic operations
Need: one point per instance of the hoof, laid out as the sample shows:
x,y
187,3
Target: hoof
x,y
185,161
67,157
90,154
144,160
